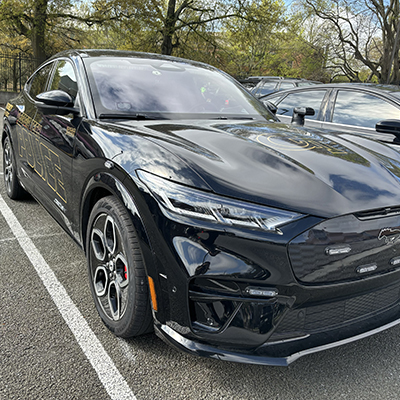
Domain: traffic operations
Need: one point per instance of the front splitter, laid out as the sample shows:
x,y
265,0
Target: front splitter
x,y
189,346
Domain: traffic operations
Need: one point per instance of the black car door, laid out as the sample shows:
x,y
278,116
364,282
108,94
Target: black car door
x,y
27,148
53,177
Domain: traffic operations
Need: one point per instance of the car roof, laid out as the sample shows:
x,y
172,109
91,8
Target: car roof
x,y
370,86
262,77
92,53
383,89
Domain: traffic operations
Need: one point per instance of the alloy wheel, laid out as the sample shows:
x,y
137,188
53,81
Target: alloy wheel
x,y
109,267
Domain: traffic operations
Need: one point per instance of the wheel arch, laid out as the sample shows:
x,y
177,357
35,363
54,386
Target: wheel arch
x,y
91,198
105,184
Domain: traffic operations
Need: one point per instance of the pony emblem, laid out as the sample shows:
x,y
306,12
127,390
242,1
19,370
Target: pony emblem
x,y
390,235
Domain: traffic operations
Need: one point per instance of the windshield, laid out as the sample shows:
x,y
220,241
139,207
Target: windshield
x,y
167,89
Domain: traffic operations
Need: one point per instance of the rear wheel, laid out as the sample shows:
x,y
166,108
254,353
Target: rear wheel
x,y
11,182
118,280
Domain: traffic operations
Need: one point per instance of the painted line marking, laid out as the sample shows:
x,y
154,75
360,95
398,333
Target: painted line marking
x,y
112,380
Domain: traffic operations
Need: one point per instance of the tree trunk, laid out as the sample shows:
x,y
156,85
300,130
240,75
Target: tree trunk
x,y
385,61
395,76
169,29
39,31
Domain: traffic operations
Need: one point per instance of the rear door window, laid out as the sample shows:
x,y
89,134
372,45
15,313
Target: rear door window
x,y
362,109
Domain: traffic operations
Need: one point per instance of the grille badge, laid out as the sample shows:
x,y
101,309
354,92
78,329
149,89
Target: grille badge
x,y
389,235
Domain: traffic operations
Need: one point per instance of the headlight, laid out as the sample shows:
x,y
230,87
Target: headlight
x,y
179,200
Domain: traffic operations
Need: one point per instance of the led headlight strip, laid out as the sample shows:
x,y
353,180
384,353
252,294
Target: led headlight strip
x,y
182,200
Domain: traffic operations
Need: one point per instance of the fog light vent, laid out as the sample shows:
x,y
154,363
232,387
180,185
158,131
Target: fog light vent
x,y
362,269
261,292
337,250
395,261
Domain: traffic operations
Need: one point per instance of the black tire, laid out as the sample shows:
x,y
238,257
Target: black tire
x,y
11,182
117,276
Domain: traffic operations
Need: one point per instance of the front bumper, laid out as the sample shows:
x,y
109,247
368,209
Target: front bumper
x,y
317,289
284,352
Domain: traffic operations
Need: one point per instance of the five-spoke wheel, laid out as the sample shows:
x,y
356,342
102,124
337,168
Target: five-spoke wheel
x,y
116,270
109,266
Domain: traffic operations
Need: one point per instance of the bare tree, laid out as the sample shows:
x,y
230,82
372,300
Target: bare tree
x,y
367,30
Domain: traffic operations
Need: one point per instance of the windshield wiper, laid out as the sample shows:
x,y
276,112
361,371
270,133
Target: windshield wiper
x,y
136,116
232,117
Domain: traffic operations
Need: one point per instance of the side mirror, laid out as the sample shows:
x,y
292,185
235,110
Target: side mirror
x,y
55,102
389,126
270,107
299,114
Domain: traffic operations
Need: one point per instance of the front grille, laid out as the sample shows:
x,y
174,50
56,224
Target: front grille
x,y
370,242
328,316
382,212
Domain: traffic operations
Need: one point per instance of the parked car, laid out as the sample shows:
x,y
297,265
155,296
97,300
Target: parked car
x,y
236,237
251,81
274,84
351,107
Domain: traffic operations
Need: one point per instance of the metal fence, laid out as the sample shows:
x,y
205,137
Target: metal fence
x,y
14,71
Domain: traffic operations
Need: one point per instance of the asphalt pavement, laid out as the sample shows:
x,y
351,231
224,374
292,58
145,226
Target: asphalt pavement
x,y
54,346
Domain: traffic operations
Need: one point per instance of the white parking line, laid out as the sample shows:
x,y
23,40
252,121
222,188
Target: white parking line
x,y
110,377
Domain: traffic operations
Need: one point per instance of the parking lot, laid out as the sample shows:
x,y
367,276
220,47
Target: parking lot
x,y
54,346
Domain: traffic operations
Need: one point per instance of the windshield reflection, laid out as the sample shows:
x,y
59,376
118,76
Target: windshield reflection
x,y
147,86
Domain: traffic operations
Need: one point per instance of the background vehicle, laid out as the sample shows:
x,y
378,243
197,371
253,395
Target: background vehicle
x,y
234,236
275,84
251,81
355,108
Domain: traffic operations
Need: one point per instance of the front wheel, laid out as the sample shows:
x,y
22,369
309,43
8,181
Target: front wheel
x,y
118,280
11,182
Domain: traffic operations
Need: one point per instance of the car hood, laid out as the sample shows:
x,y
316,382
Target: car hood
x,y
299,169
